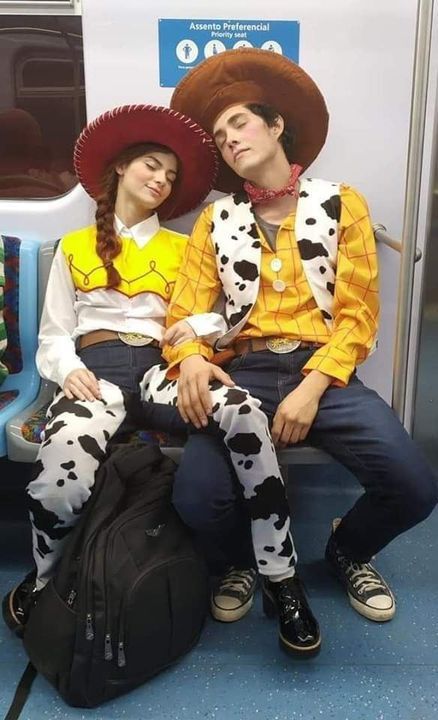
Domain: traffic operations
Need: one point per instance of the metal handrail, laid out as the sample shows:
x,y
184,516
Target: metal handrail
x,y
382,237
37,3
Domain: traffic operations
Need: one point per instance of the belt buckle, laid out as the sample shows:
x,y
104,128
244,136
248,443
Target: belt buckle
x,y
136,339
282,345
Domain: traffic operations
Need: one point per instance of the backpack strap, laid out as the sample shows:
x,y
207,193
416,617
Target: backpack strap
x,y
22,692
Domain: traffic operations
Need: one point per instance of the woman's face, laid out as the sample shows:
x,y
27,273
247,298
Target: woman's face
x,y
148,179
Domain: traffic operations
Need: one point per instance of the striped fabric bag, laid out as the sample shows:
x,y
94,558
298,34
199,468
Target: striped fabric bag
x,y
3,340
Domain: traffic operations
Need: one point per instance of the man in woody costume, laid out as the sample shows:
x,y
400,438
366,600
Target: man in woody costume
x,y
294,260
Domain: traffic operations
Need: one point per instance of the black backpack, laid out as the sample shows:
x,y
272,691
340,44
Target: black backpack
x,y
130,593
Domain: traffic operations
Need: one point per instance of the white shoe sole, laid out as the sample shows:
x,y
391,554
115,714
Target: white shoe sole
x,y
370,613
373,613
224,615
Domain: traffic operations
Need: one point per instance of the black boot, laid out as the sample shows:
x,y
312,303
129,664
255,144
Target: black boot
x,y
18,603
299,630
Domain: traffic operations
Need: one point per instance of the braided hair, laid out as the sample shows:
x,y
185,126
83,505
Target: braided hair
x,y
108,245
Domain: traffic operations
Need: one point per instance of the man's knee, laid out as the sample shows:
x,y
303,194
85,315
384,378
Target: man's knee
x,y
202,507
423,497
417,488
204,491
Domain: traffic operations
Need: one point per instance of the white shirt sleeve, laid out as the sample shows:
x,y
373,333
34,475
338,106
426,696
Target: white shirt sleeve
x,y
209,326
56,355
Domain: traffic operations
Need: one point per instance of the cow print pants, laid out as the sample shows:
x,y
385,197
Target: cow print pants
x,y
75,440
243,426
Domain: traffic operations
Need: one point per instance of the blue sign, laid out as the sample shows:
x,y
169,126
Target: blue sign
x,y
185,43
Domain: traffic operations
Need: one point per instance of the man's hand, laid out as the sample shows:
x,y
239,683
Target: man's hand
x,y
178,333
194,397
82,384
296,413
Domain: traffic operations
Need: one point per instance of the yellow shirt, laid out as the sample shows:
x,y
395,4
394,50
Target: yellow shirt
x,y
293,313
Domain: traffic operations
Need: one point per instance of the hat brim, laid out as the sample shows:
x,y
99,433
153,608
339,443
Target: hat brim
x,y
245,75
104,138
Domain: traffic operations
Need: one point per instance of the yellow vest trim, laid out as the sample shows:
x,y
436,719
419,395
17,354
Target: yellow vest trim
x,y
152,268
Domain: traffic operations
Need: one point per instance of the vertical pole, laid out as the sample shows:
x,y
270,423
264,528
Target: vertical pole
x,y
412,199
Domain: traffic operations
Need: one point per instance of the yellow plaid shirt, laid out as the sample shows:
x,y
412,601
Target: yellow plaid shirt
x,y
292,313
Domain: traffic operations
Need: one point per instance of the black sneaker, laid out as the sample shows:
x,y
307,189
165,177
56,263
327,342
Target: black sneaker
x,y
18,603
299,629
368,593
234,595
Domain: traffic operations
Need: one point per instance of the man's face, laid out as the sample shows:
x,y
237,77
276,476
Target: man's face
x,y
245,141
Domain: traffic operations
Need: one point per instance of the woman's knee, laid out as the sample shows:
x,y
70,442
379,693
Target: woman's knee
x,y
234,408
59,494
62,477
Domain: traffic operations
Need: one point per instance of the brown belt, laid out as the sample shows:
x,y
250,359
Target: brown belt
x,y
97,336
274,344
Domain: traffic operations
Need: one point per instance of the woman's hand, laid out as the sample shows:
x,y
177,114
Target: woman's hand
x,y
180,332
82,384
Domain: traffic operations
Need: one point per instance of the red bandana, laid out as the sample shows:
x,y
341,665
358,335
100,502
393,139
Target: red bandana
x,y
259,195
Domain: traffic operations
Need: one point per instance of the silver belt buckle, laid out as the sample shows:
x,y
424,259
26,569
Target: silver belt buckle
x,y
282,345
136,339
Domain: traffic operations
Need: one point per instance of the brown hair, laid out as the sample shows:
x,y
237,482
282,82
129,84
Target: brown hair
x,y
270,116
108,245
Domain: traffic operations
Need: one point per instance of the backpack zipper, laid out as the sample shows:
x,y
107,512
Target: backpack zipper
x,y
121,657
121,651
88,555
89,631
71,598
108,653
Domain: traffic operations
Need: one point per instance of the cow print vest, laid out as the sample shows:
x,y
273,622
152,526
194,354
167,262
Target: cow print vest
x,y
238,249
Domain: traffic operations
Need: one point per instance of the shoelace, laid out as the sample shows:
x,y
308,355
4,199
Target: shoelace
x,y
362,576
239,580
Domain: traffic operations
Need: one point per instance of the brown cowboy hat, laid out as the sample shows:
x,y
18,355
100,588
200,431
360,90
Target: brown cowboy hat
x,y
236,77
104,138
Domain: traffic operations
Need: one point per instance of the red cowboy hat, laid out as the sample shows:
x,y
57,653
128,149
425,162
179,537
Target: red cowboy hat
x,y
106,136
251,75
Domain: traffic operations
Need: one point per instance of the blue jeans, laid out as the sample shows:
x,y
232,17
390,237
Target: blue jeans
x,y
356,427
124,365
208,497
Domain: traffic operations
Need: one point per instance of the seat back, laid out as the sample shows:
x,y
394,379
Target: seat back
x,y
20,387
12,357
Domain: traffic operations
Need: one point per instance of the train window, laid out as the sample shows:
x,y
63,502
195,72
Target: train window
x,y
42,103
56,72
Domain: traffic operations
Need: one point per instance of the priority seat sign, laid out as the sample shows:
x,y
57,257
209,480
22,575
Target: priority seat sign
x,y
183,44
